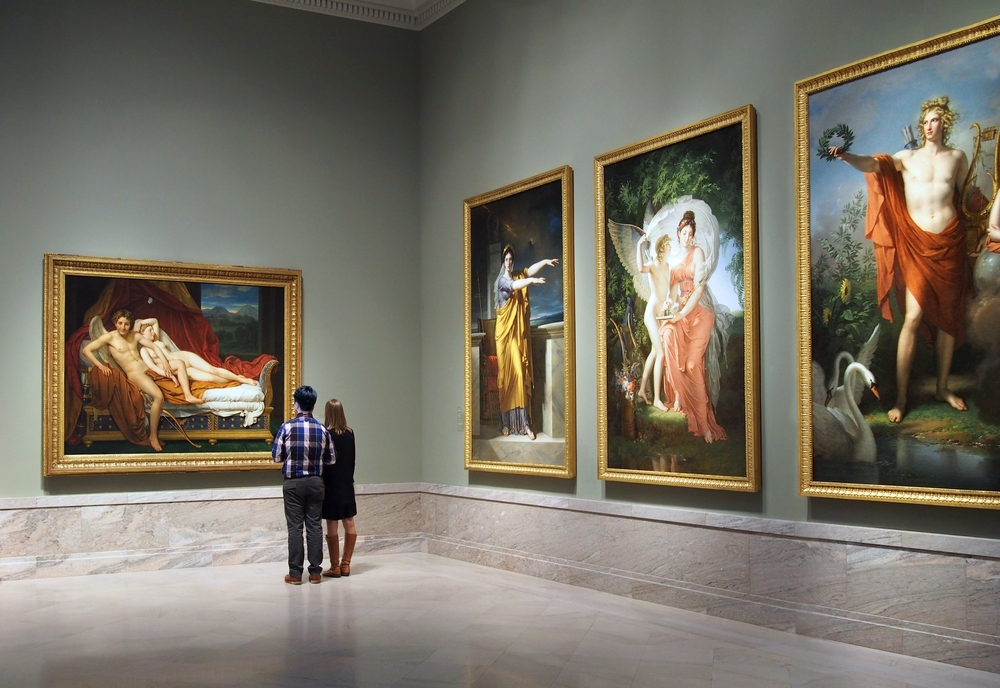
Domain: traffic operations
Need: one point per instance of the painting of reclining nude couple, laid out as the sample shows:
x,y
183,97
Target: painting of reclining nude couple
x,y
899,242
164,366
677,322
520,407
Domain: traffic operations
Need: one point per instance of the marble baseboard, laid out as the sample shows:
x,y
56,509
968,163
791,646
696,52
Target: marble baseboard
x,y
19,568
928,641
925,595
845,584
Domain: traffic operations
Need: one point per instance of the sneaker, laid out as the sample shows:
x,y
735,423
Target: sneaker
x,y
315,578
293,580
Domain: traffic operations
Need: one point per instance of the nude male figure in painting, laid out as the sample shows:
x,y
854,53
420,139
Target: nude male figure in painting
x,y
926,249
122,345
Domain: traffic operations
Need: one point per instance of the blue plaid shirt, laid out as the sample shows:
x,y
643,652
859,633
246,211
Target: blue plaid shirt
x,y
304,445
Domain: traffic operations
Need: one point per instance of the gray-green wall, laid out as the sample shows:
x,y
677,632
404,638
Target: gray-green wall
x,y
227,131
511,88
216,131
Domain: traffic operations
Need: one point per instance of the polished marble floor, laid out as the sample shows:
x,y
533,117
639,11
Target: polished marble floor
x,y
404,620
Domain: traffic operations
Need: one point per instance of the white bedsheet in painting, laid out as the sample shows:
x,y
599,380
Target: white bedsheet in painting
x,y
245,400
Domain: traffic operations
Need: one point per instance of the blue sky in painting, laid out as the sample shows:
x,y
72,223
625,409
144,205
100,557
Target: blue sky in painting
x,y
546,299
232,297
531,221
720,282
877,107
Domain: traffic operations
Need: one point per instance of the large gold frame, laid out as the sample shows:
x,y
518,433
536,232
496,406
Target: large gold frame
x,y
57,268
568,469
803,90
746,117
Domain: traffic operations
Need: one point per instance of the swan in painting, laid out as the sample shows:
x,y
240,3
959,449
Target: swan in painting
x,y
837,395
838,436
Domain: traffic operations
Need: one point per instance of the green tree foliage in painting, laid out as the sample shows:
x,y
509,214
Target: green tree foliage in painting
x,y
844,303
707,167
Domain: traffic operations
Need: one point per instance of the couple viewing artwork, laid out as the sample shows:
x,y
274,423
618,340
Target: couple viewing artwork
x,y
675,254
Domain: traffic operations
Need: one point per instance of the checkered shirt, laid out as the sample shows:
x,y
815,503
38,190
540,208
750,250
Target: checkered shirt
x,y
304,445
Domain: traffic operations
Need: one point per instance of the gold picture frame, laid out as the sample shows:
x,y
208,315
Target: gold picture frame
x,y
520,365
848,248
101,425
708,169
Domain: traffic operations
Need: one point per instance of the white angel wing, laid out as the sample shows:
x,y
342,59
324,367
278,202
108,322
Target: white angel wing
x,y
167,342
625,238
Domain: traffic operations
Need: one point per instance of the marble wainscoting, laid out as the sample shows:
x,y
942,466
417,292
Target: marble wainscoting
x,y
75,535
931,596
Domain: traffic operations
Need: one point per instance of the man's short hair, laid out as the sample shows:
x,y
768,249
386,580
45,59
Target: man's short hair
x,y
305,397
123,313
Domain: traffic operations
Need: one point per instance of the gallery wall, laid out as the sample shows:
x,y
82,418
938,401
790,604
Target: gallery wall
x,y
511,88
226,132
234,132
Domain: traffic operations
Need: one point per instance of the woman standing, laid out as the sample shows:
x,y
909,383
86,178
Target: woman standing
x,y
339,503
513,340
686,336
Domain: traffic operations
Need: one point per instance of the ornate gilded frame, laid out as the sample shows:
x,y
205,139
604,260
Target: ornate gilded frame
x,y
806,176
744,120
59,268
552,191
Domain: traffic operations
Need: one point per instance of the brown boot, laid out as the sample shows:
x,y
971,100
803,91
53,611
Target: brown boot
x,y
345,563
334,544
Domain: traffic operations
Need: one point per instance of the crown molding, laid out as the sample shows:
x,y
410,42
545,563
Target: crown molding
x,y
403,14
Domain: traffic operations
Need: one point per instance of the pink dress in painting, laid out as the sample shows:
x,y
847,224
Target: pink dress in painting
x,y
684,345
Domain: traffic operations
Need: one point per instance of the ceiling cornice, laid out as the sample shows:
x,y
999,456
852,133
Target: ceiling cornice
x,y
403,14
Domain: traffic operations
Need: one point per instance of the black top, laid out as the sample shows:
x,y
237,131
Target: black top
x,y
339,501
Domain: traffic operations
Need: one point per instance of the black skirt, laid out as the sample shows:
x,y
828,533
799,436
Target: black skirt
x,y
339,502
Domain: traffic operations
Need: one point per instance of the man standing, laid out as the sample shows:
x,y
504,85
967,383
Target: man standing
x,y
303,444
920,253
121,343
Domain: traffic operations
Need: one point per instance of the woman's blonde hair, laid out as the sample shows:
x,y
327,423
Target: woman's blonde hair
x,y
335,420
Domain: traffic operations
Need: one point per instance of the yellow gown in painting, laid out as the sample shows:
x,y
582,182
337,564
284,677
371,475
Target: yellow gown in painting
x,y
513,340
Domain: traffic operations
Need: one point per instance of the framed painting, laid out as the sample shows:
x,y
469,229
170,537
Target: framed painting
x,y
163,367
520,370
678,380
899,274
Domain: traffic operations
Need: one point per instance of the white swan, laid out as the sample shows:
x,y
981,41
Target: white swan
x,y
844,437
838,394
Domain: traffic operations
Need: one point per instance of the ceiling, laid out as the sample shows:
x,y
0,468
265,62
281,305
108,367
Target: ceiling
x,y
403,14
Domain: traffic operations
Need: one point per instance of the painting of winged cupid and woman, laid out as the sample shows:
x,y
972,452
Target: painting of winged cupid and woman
x,y
188,366
670,262
675,231
904,271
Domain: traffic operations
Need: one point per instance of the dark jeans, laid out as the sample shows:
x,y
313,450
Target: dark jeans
x,y
304,504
